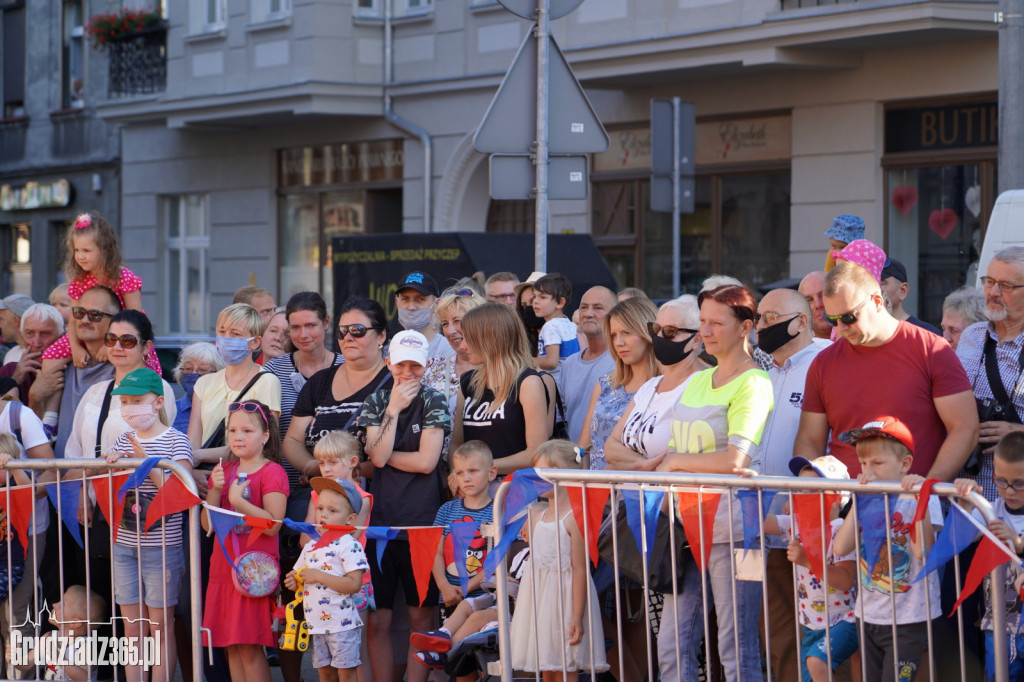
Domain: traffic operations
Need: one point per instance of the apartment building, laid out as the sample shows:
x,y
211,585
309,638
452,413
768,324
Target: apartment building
x,y
268,135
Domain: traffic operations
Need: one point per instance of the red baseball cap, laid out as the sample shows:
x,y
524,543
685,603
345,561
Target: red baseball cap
x,y
881,427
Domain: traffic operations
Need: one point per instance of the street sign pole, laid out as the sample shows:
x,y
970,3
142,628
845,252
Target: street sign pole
x,y
541,207
676,195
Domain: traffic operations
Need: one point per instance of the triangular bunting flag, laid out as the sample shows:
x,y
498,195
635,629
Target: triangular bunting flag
x,y
922,505
508,535
330,535
808,510
301,527
697,512
258,524
137,477
873,527
525,486
651,506
223,523
588,504
19,507
64,497
956,535
105,487
423,544
752,517
381,534
463,533
990,553
173,497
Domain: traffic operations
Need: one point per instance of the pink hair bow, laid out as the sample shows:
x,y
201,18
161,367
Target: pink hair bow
x,y
83,221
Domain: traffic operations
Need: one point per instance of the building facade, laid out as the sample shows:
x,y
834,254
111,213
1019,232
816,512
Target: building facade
x,y
270,137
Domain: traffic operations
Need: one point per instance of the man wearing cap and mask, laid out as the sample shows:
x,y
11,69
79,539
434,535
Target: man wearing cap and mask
x,y
896,289
415,299
11,309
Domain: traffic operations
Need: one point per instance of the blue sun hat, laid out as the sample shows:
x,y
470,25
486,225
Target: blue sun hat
x,y
846,228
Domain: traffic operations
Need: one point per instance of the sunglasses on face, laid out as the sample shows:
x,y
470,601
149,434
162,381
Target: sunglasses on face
x,y
94,315
848,319
357,331
251,408
667,331
127,341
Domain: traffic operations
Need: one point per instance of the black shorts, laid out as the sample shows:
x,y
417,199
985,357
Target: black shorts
x,y
396,568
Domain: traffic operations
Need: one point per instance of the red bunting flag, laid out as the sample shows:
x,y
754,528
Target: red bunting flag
x,y
19,512
106,488
332,533
173,497
423,544
922,505
588,503
257,523
697,509
808,509
991,552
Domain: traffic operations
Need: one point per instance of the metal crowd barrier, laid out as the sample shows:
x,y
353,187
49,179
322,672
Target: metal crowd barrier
x,y
671,483
70,471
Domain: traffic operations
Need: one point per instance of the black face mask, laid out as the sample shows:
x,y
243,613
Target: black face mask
x,y
530,318
772,338
671,352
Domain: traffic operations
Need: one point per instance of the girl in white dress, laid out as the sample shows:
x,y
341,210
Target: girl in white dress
x,y
556,587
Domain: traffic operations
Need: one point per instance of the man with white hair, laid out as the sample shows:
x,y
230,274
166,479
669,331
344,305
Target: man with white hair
x,y
997,343
41,325
11,309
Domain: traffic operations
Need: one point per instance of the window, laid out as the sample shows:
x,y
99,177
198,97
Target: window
x,y
73,71
187,300
12,40
15,253
269,10
206,16
374,9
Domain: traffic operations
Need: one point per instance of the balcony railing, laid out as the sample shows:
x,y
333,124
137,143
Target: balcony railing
x,y
138,63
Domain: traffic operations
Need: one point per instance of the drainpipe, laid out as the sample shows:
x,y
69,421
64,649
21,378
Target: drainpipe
x,y
404,125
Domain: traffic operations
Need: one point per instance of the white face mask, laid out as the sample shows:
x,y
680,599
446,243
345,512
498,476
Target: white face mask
x,y
139,417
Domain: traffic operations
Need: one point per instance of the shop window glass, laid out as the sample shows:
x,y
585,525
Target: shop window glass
x,y
187,297
511,216
16,249
755,227
343,215
300,243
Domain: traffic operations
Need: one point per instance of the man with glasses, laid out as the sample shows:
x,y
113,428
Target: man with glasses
x,y
881,365
999,341
501,288
580,371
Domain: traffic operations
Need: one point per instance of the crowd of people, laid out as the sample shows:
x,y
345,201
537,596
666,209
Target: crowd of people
x,y
357,421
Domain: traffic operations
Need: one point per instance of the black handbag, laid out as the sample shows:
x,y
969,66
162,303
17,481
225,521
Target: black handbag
x,y
629,562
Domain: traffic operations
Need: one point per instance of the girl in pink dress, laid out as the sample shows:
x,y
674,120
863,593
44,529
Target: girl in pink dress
x,y
236,621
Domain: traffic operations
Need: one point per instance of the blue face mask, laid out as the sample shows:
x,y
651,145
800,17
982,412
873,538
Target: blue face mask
x,y
188,382
233,350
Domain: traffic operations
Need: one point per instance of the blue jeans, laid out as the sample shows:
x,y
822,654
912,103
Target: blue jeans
x,y
682,622
1015,649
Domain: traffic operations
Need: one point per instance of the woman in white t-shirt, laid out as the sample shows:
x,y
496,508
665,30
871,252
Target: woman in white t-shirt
x,y
640,440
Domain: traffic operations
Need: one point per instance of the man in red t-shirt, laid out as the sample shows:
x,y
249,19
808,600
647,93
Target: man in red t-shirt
x,y
881,365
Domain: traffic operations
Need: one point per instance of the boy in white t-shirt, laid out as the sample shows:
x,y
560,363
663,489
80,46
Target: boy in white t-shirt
x,y
885,449
557,339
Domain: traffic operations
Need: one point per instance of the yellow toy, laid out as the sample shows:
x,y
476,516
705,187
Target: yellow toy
x,y
296,634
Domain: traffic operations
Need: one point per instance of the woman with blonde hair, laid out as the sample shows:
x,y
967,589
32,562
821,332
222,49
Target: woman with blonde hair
x,y
504,402
443,371
627,335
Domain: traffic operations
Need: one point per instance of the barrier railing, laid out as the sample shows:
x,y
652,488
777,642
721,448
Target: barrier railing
x,y
61,481
743,546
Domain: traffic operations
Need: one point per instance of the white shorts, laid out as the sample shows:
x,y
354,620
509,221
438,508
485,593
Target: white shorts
x,y
337,650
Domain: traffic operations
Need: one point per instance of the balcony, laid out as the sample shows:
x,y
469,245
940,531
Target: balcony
x,y
138,63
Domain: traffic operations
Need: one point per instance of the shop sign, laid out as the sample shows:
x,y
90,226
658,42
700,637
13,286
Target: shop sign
x,y
950,126
334,164
767,138
33,195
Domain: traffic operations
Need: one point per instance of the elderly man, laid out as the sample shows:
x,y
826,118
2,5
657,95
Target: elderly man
x,y
581,371
40,325
896,288
784,331
811,286
11,309
100,304
881,365
501,288
1000,394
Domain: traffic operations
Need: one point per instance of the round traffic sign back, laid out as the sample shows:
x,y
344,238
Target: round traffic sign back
x,y
527,9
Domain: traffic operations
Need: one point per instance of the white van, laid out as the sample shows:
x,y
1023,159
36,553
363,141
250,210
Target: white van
x,y
1005,227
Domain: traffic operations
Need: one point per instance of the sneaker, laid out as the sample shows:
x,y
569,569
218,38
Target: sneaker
x,y
431,659
435,640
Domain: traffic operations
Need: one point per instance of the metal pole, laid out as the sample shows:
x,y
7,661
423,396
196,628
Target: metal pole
x,y
1011,94
676,191
541,160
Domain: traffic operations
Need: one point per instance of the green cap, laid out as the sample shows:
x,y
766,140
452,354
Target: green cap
x,y
140,382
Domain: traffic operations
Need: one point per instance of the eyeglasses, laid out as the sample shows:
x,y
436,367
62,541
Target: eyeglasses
x,y
251,408
667,331
1004,287
1003,484
848,319
127,341
771,318
94,315
357,331
501,297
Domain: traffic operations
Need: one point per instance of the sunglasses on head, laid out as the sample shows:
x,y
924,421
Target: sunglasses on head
x,y
357,331
79,313
251,408
848,319
668,331
463,292
127,341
